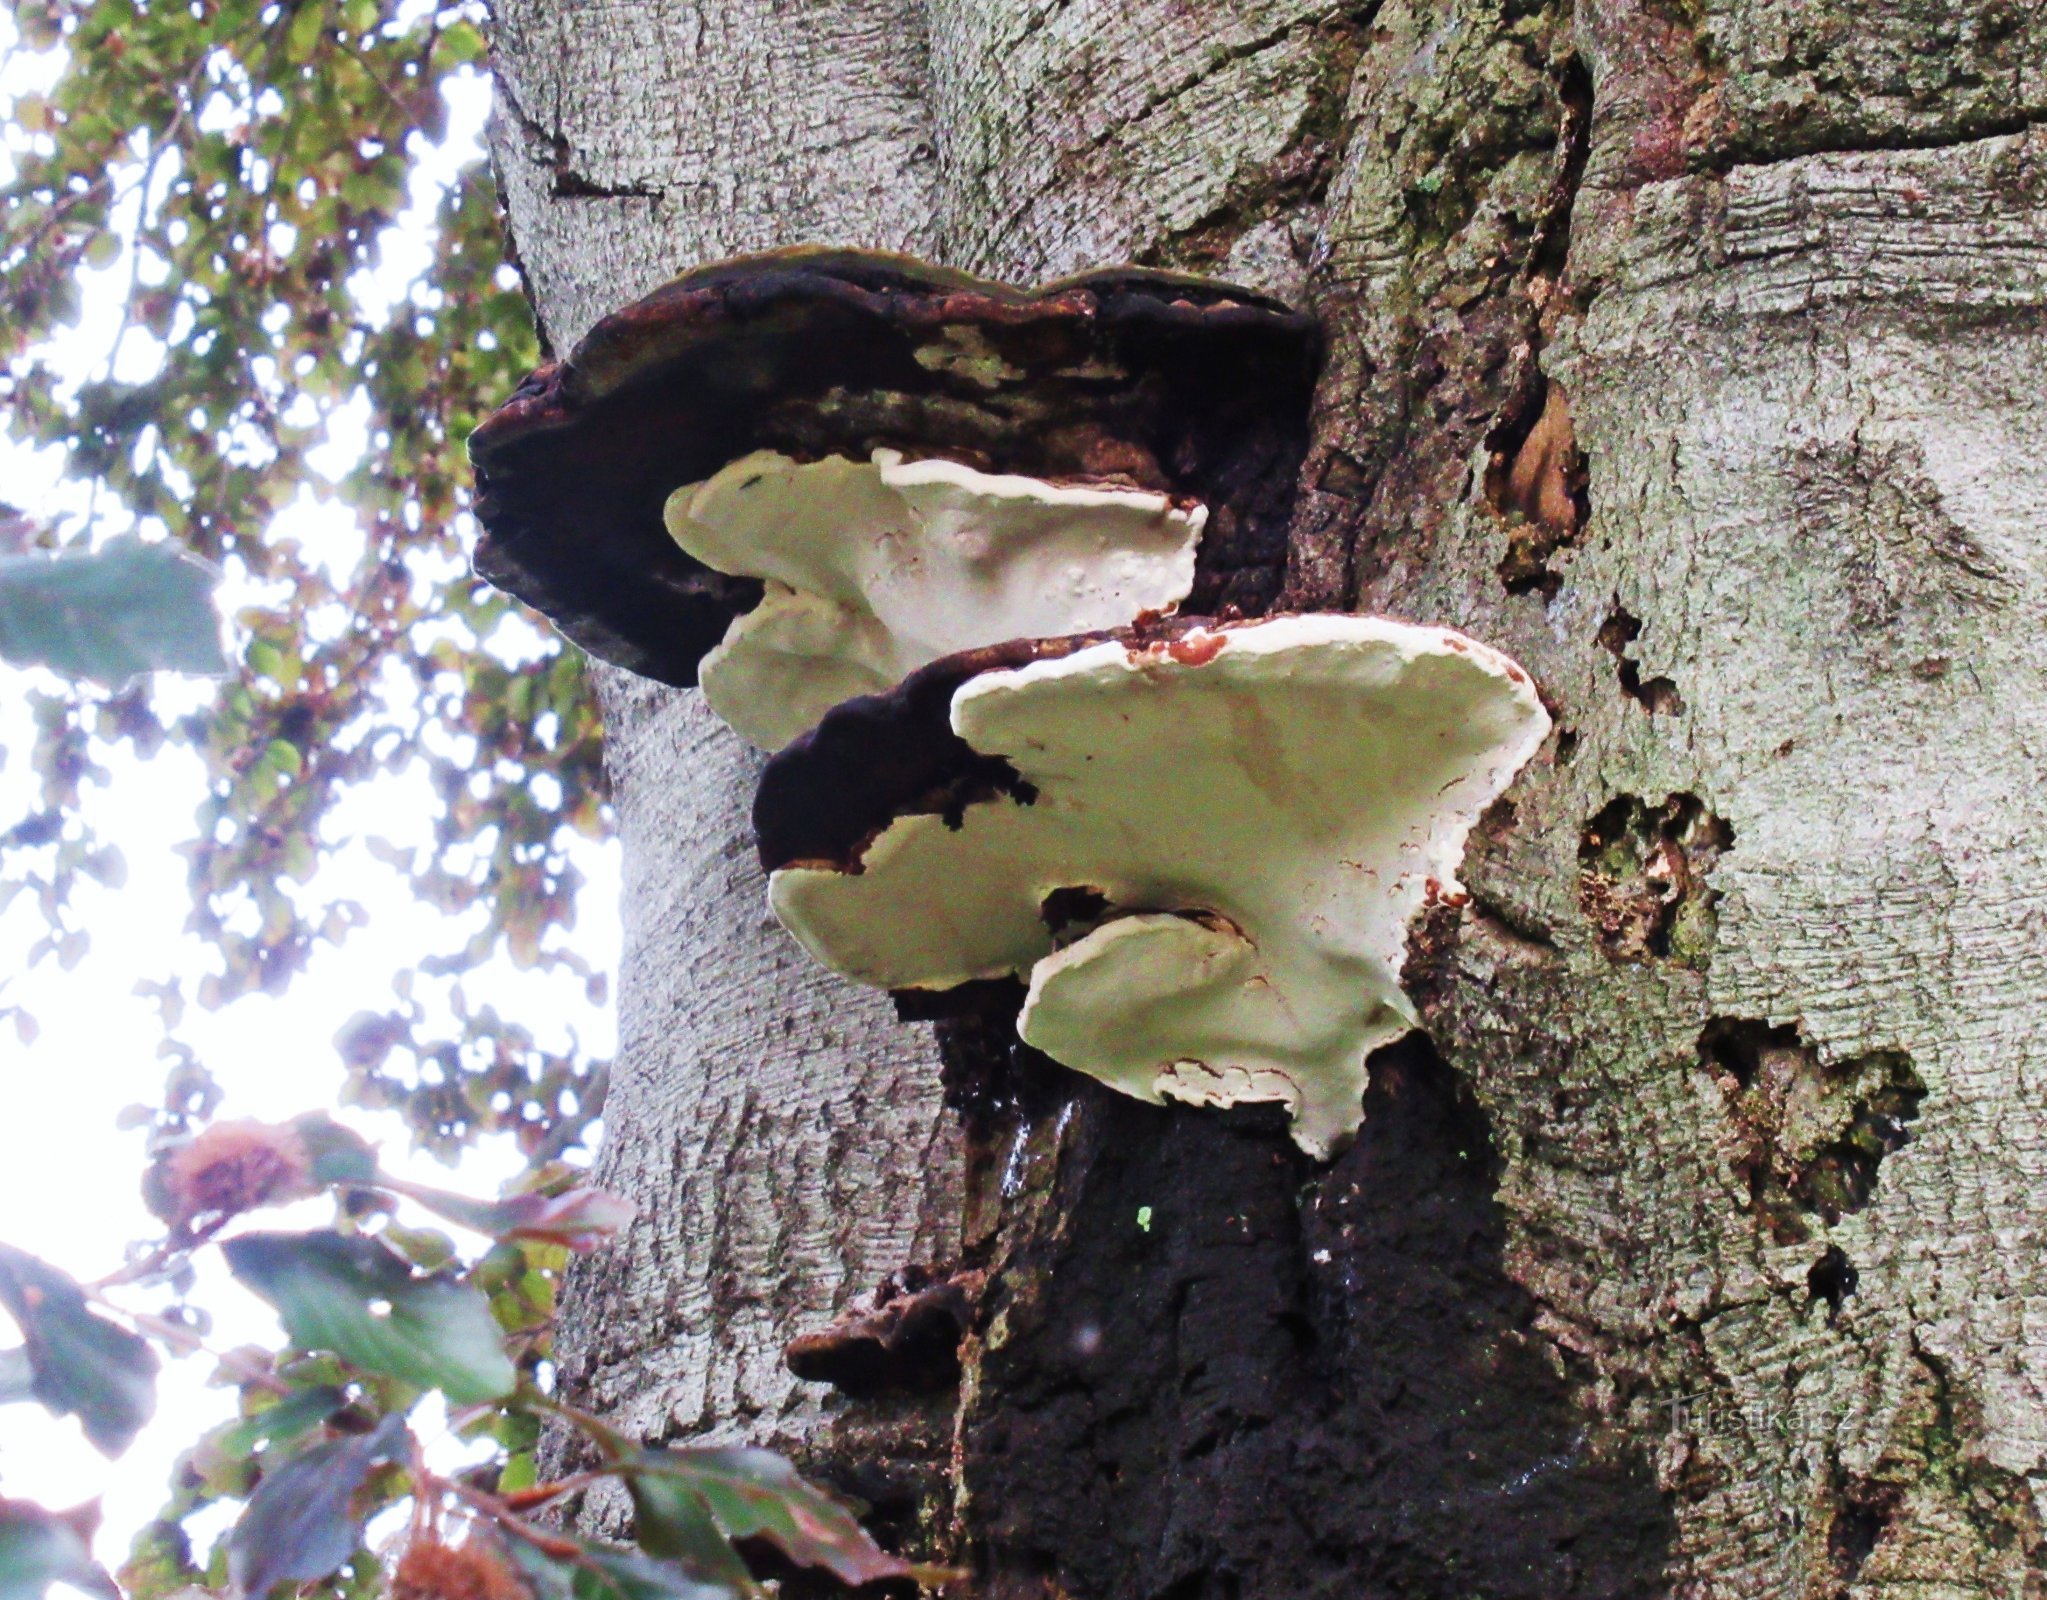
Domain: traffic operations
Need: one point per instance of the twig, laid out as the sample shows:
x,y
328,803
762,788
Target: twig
x,y
183,1338
503,1516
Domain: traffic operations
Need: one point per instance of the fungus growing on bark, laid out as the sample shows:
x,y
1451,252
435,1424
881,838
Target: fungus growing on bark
x,y
1202,845
873,569
1128,379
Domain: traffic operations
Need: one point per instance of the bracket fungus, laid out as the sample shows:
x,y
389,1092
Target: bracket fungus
x,y
921,529
1201,844
873,569
1117,382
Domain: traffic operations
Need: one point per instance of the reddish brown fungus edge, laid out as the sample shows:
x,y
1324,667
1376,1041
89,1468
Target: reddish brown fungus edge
x,y
1197,650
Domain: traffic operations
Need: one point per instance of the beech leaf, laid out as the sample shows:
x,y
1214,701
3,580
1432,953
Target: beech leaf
x,y
39,1548
303,1522
338,1154
79,1363
360,1300
756,1494
287,1419
108,614
670,1520
595,1573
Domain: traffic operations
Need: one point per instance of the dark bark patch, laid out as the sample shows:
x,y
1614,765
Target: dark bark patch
x,y
1072,913
1809,1136
882,756
877,757
988,1074
1657,696
1432,942
1863,1513
1226,1372
995,998
1642,873
1832,1278
903,1337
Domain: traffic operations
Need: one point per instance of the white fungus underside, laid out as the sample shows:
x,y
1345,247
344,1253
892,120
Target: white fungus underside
x,y
874,568
1305,785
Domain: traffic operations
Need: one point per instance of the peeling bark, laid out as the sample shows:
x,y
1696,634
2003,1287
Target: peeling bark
x,y
1686,350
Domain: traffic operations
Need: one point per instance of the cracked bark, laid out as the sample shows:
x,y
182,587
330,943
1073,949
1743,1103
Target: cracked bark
x,y
1598,1303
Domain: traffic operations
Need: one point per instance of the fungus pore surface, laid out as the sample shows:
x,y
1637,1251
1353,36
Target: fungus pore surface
x,y
1202,846
873,569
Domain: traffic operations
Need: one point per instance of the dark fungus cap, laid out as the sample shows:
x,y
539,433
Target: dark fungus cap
x,y
1156,380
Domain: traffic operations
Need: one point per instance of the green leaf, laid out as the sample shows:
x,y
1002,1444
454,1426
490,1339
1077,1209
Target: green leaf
x,y
338,1155
39,1548
520,1471
303,36
281,755
265,660
17,1376
108,614
290,1417
757,1494
159,1564
429,1249
80,1362
363,1302
595,1573
671,1521
462,43
303,1522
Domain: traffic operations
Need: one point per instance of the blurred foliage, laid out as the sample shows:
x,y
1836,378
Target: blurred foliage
x,y
330,1431
110,614
243,166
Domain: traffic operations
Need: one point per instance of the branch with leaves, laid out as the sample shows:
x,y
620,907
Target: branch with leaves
x,y
248,168
380,1317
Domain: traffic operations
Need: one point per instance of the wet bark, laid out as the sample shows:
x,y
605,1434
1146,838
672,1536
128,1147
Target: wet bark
x,y
1686,351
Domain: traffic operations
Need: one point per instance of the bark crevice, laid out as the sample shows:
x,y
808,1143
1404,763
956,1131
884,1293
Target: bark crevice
x,y
1202,1314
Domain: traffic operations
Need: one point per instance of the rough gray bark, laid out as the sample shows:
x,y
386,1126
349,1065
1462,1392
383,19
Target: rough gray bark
x,y
779,1131
1684,350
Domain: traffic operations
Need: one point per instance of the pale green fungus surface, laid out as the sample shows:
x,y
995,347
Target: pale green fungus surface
x,y
874,568
1263,808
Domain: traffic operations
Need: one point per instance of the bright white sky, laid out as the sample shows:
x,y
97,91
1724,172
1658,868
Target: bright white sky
x,y
69,1190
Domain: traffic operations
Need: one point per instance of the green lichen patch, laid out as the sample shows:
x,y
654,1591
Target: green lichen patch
x,y
1642,871
1808,1135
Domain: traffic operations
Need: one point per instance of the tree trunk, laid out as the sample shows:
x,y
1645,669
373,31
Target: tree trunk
x,y
1685,350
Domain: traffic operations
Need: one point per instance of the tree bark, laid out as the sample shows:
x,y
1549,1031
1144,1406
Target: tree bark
x,y
781,1134
1685,350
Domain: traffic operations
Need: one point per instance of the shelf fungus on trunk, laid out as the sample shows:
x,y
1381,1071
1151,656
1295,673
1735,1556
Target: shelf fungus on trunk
x,y
1101,422
1201,844
873,569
